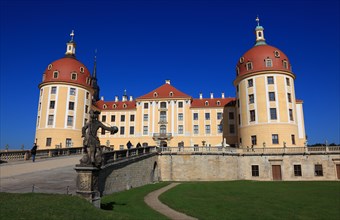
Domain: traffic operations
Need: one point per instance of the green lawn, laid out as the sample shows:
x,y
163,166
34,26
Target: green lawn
x,y
204,200
256,200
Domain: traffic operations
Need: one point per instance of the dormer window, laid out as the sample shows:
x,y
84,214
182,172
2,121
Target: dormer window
x,y
206,103
49,67
82,69
218,103
241,59
285,64
104,106
249,66
74,76
237,71
55,74
269,62
124,106
171,94
114,106
155,94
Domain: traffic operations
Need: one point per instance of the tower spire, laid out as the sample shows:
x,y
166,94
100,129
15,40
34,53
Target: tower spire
x,y
94,79
71,47
259,32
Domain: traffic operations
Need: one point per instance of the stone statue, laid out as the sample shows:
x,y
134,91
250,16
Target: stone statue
x,y
91,142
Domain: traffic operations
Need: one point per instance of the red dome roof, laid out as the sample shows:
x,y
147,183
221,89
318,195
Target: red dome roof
x,y
68,70
257,56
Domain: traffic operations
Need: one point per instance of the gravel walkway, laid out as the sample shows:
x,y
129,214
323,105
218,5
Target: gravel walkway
x,y
152,200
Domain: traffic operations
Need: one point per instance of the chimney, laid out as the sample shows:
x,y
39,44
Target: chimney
x,y
222,95
167,81
201,95
131,99
124,98
102,98
116,98
211,95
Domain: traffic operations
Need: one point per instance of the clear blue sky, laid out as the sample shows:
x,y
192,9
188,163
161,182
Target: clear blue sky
x,y
195,44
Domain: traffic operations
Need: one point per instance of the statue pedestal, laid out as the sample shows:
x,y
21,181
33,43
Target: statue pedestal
x,y
87,183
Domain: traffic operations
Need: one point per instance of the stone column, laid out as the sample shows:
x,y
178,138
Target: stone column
x,y
87,183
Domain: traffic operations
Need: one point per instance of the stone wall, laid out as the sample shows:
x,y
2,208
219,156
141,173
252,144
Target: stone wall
x,y
219,167
129,173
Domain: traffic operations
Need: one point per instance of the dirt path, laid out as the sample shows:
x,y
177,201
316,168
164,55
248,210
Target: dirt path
x,y
152,200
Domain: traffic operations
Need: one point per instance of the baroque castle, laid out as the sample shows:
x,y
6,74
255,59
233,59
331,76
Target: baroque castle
x,y
264,113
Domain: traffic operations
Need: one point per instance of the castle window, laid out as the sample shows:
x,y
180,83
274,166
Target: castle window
x,y
122,130
270,80
122,118
285,64
241,59
250,83
180,116
275,138
207,129
271,96
86,108
268,62
251,98
124,106
195,116
206,103
145,130
72,91
50,120
68,142
291,115
104,106
207,116
180,104
276,54
195,129
71,106
132,130
163,104
219,128
52,104
232,129
252,115
155,94
74,76
146,105
180,129
48,142
55,74
49,67
113,118
318,170
171,94
219,115
287,81
218,103
145,117
289,96
82,69
255,170
114,106
249,66
53,90
231,115
273,115
253,140
297,170
162,116
293,139
103,118
132,117
69,120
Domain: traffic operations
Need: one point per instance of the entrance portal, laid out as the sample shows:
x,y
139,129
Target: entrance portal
x,y
276,169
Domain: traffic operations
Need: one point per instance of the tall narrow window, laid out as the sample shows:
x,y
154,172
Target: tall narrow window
x,y
122,118
252,115
113,118
249,66
285,64
72,91
52,104
122,130
163,104
48,142
180,116
219,128
287,81
103,118
271,96
270,80
71,106
53,90
232,129
269,63
318,170
145,130
55,74
132,117
180,104
293,139
132,130
255,170
145,117
253,140
251,98
195,116
291,117
297,170
207,116
70,120
195,129
146,105
50,120
273,115
162,116
289,96
207,129
74,76
231,115
68,142
219,115
180,129
275,138
250,83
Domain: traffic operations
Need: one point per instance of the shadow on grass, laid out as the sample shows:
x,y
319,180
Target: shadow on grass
x,y
110,205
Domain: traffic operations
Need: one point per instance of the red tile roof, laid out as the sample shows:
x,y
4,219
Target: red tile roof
x,y
112,105
165,91
211,102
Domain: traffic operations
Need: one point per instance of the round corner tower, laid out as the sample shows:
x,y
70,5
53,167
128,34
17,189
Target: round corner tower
x,y
64,102
268,113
